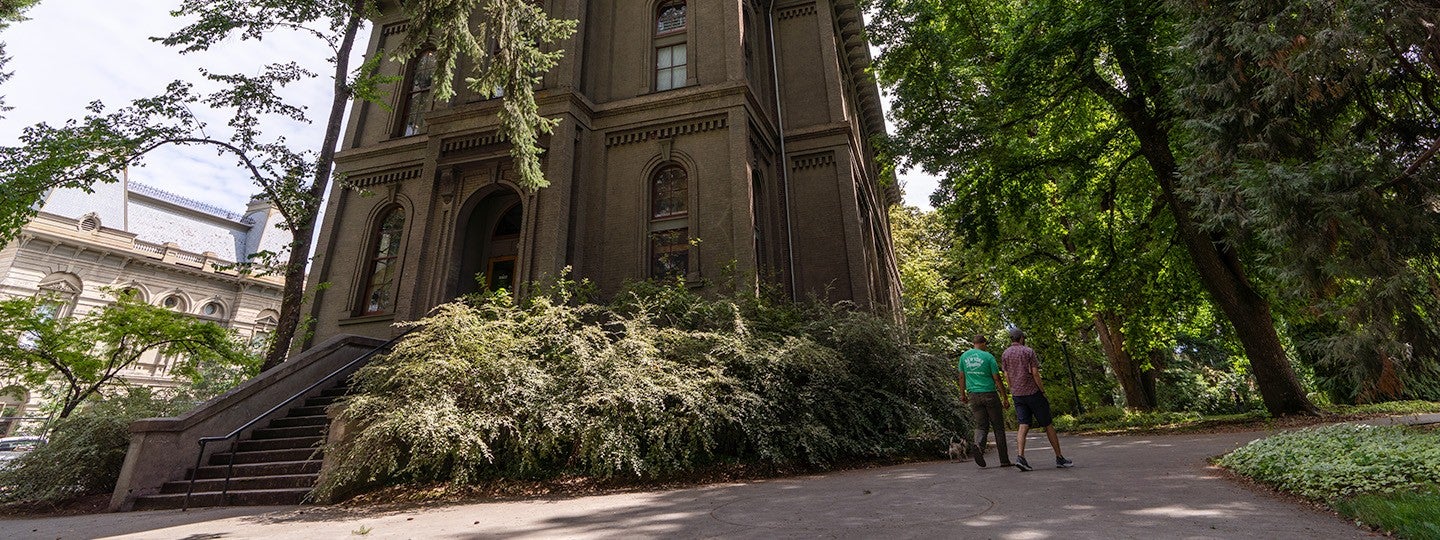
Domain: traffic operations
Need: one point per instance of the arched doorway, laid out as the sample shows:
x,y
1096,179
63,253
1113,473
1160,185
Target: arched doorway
x,y
489,260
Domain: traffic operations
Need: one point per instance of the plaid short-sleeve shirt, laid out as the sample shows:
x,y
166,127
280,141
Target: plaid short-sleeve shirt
x,y
1016,362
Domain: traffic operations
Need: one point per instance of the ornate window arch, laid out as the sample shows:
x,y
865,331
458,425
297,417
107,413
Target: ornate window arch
x,y
416,96
175,301
384,263
58,294
672,55
669,227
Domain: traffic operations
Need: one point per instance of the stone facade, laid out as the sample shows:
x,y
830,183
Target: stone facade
x,y
668,161
83,246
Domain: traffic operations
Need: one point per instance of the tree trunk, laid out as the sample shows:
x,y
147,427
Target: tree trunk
x,y
1221,274
1132,376
293,297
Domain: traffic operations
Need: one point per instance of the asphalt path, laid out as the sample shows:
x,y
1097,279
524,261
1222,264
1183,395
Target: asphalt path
x,y
1158,486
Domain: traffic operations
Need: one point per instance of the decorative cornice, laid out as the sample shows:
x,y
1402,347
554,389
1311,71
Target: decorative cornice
x,y
813,161
461,144
700,125
797,11
395,28
386,177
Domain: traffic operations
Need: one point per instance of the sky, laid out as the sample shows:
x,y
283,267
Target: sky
x,y
72,52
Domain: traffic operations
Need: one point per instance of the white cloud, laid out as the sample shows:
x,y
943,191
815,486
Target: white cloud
x,y
73,52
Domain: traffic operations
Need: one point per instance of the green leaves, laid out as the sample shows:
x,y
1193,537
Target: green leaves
x,y
659,383
76,358
506,40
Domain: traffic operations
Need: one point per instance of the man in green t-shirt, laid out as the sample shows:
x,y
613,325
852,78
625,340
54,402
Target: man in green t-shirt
x,y
982,387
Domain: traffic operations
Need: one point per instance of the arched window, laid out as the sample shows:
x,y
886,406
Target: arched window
x,y
58,294
671,54
417,98
174,302
379,294
214,310
669,222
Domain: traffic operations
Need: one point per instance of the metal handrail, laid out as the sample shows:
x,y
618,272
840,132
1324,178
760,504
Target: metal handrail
x,y
233,437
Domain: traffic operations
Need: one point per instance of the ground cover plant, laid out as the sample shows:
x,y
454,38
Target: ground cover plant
x,y
1381,475
85,450
658,383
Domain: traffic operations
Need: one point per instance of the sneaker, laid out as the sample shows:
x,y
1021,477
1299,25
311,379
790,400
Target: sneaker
x,y
1006,464
1062,463
979,455
1023,465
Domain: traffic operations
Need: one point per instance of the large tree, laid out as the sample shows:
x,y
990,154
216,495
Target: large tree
x,y
1314,127
972,76
97,149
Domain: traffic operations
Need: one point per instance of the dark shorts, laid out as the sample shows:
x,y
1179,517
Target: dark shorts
x,y
1033,410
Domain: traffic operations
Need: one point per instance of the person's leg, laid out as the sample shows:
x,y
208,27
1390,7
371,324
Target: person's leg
x,y
1023,416
997,422
1054,440
1043,418
981,414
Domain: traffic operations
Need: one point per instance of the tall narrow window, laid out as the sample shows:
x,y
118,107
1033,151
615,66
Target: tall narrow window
x,y
384,264
671,56
417,97
669,222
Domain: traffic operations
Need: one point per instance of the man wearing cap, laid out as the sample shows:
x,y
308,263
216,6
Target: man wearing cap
x,y
1032,408
981,384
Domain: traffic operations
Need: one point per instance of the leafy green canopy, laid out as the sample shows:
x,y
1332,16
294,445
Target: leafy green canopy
x,y
1313,128
505,42
661,381
76,358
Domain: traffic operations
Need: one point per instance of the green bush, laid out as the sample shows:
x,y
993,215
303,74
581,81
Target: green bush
x,y
660,382
1330,462
85,450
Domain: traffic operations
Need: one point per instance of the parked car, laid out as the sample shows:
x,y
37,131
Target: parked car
x,y
14,447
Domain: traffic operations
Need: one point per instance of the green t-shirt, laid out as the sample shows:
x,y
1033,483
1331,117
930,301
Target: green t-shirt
x,y
980,369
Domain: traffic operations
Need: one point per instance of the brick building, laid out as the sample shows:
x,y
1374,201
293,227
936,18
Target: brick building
x,y
694,137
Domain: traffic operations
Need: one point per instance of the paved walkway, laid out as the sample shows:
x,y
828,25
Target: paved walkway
x,y
1121,487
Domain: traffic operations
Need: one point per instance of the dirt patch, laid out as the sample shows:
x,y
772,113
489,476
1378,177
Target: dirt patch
x,y
89,504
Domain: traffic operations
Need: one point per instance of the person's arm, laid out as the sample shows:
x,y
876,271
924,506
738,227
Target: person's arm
x,y
964,395
1000,389
1035,372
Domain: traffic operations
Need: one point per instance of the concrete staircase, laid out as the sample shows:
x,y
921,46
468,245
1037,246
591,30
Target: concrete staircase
x,y
274,465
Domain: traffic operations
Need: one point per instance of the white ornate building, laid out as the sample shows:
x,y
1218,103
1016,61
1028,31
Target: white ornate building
x,y
170,250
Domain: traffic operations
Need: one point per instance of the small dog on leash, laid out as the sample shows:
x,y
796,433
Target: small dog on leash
x,y
959,450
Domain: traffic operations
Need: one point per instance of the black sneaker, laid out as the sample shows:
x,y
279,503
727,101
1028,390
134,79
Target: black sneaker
x,y
979,455
1062,463
1023,465
1006,464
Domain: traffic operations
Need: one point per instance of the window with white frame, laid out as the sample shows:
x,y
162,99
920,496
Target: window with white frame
x,y
672,57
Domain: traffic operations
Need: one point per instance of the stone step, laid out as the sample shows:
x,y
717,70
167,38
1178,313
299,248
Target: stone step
x,y
335,391
257,497
320,401
275,468
294,421
308,410
266,456
280,443
288,432
243,483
